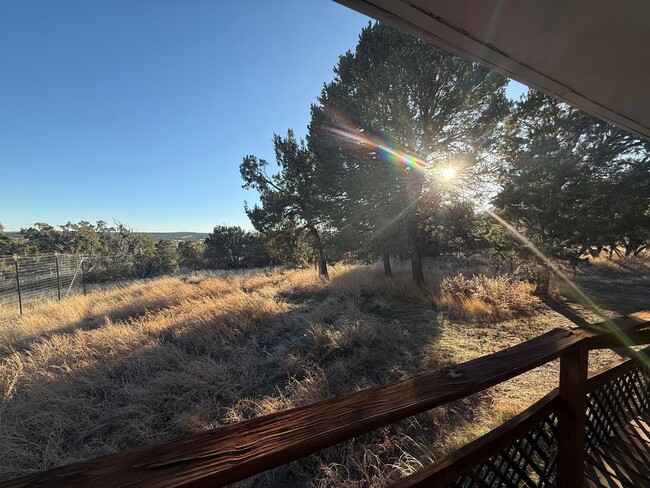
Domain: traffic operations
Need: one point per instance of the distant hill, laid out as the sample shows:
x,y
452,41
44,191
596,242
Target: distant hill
x,y
177,236
172,236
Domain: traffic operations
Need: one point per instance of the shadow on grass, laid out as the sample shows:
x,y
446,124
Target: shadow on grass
x,y
620,295
563,309
91,321
196,375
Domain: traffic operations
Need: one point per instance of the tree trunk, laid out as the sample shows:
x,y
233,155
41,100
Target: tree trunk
x,y
629,248
542,280
388,272
320,253
416,264
415,191
322,263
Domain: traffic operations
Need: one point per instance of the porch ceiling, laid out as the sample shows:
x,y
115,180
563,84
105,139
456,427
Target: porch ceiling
x,y
594,55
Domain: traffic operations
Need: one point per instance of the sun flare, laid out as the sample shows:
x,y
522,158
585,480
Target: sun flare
x,y
448,173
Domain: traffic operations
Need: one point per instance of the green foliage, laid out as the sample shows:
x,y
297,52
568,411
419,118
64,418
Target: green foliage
x,y
289,244
231,247
143,248
114,252
573,181
292,198
165,257
394,100
192,254
81,238
45,238
12,245
456,228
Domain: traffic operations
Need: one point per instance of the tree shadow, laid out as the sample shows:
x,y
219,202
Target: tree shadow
x,y
198,374
565,310
88,322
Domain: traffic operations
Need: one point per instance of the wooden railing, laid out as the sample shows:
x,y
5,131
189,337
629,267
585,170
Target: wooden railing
x,y
544,445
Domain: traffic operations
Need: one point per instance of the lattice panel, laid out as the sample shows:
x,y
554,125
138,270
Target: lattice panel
x,y
528,462
615,403
531,460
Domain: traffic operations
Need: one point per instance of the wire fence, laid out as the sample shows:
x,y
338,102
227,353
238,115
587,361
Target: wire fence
x,y
25,279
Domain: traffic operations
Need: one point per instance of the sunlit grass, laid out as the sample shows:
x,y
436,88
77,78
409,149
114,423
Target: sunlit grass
x,y
154,360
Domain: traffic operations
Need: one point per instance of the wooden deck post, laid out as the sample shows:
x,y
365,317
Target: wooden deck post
x,y
572,418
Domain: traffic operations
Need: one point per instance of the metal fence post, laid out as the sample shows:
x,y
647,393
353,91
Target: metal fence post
x,y
83,274
20,299
58,278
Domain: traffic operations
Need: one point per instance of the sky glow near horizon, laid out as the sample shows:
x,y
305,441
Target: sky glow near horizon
x,y
141,112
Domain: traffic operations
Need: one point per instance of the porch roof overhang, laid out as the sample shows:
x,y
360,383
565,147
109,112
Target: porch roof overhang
x,y
594,55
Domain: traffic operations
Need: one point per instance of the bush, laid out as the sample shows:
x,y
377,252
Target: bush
x,y
480,297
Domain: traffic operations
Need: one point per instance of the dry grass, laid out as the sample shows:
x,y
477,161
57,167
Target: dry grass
x,y
482,298
147,362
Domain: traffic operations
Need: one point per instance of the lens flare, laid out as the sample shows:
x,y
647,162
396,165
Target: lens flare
x,y
448,173
398,154
582,296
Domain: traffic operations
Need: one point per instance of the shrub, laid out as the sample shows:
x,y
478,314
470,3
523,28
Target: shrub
x,y
479,297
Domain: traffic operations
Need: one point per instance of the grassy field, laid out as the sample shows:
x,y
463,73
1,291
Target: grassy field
x,y
153,360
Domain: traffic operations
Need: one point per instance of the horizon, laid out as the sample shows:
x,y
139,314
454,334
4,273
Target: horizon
x,y
142,112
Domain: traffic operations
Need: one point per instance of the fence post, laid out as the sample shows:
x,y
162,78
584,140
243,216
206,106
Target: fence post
x,y
572,417
83,273
58,278
20,299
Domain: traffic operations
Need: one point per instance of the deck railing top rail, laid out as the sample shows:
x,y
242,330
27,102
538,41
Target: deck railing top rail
x,y
234,452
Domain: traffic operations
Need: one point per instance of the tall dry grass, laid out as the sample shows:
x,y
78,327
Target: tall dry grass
x,y
479,297
150,361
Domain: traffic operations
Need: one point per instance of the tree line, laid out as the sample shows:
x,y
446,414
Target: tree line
x,y
408,141
412,152
117,252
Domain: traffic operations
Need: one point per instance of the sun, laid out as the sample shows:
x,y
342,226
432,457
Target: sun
x,y
448,173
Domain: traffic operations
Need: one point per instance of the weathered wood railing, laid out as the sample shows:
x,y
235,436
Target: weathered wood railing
x,y
543,446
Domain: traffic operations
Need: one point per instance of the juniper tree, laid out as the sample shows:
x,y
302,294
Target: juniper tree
x,y
290,198
192,254
572,181
224,246
397,108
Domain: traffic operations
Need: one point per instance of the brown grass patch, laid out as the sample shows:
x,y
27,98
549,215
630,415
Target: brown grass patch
x,y
153,360
482,298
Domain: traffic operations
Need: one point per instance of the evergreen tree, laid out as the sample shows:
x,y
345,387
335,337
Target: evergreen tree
x,y
290,198
192,254
165,257
397,110
288,244
572,182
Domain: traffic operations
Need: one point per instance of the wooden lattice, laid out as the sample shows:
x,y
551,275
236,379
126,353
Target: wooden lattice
x,y
529,461
615,403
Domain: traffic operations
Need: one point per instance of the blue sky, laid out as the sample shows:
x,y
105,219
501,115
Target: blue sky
x,y
141,111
